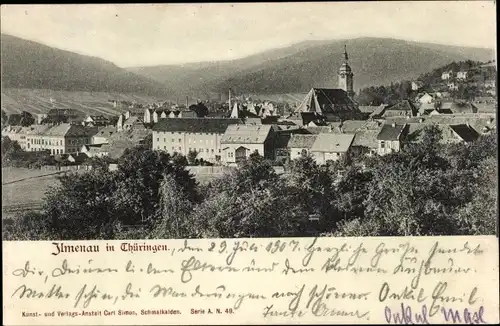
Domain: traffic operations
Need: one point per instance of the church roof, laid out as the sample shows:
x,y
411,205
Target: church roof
x,y
327,100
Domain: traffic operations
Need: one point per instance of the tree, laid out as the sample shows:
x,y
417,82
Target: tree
x,y
81,206
173,219
200,109
191,157
310,188
27,119
4,118
479,216
139,175
148,142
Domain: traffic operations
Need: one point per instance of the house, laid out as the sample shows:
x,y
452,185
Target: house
x,y
450,134
63,138
377,114
103,135
416,85
300,144
403,108
16,133
40,117
128,119
241,140
490,83
65,116
462,108
93,150
447,75
331,147
389,138
332,104
426,98
95,120
77,158
462,75
452,86
183,135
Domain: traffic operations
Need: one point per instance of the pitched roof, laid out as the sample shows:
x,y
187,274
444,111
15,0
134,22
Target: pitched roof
x,y
405,106
301,141
378,111
327,100
391,132
245,134
351,126
368,108
465,132
332,142
69,130
366,138
463,108
105,131
195,125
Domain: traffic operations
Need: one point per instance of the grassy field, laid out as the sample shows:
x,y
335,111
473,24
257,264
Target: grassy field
x,y
15,100
24,189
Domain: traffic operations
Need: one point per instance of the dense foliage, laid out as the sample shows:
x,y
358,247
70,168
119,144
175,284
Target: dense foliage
x,y
426,189
431,82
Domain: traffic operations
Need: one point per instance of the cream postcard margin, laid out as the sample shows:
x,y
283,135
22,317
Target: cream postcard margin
x,y
252,281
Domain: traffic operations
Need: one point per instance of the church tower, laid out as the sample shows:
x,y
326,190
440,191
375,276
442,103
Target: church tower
x,y
346,81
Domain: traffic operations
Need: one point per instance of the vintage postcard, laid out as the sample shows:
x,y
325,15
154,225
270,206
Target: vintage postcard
x,y
250,163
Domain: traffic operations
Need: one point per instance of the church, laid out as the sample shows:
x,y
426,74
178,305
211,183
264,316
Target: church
x,y
331,104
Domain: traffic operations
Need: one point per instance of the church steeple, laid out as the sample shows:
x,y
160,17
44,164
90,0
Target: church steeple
x,y
346,77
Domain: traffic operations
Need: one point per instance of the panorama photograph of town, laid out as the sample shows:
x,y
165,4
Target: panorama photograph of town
x,y
156,121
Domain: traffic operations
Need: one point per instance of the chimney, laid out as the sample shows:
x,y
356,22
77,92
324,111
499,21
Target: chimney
x,y
187,101
420,120
393,125
230,99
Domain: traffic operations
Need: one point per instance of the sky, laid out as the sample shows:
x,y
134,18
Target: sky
x,y
152,34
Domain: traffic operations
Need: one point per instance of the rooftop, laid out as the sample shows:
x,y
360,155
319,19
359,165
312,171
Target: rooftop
x,y
391,132
332,142
301,141
195,125
246,134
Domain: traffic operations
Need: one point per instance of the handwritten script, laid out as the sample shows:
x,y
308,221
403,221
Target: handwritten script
x,y
309,280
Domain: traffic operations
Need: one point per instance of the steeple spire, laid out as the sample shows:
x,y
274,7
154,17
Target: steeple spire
x,y
345,53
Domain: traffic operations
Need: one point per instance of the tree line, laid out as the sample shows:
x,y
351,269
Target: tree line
x,y
428,188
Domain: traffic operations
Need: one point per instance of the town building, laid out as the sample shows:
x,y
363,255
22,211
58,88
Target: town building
x,y
103,135
346,76
95,121
63,138
183,135
331,147
416,85
462,75
390,138
447,75
93,150
241,140
403,108
331,104
300,144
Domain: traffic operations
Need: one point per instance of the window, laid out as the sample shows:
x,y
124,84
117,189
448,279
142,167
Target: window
x,y
173,140
219,150
179,140
173,148
164,147
212,150
382,144
180,148
158,139
164,139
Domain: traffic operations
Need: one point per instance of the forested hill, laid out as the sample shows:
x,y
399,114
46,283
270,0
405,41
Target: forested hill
x,y
31,65
297,68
